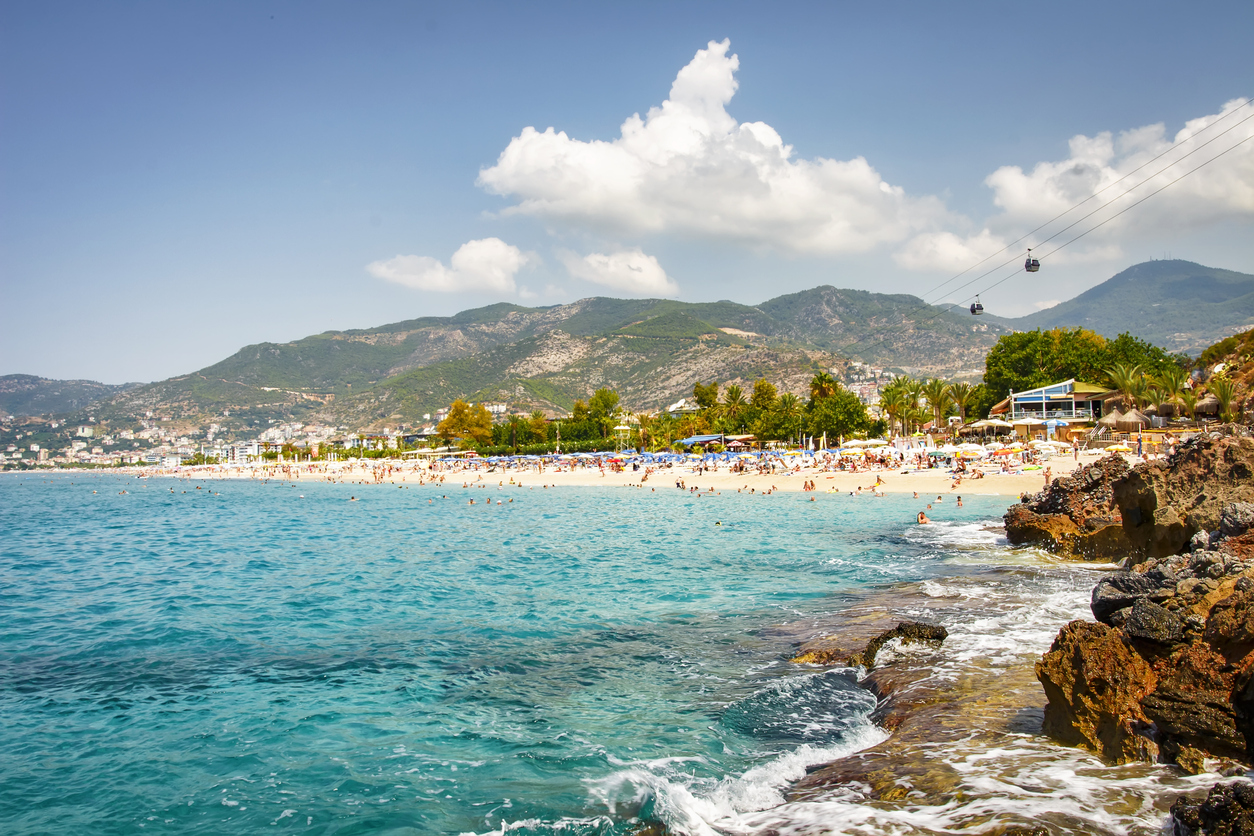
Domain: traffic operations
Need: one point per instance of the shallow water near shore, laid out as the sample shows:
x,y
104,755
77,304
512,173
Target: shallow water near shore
x,y
250,657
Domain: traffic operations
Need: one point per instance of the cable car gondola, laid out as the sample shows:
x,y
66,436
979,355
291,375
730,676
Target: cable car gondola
x,y
976,307
1032,264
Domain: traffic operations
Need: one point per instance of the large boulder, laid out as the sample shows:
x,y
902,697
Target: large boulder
x,y
1227,810
1095,683
1164,504
1075,516
1167,673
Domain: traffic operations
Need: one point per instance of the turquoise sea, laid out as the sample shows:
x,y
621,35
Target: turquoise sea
x,y
240,657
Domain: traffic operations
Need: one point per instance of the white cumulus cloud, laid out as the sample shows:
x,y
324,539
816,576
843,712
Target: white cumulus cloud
x,y
689,167
483,264
1093,175
629,271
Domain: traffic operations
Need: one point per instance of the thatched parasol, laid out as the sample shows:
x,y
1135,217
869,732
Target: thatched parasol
x,y
1110,418
1132,421
1208,405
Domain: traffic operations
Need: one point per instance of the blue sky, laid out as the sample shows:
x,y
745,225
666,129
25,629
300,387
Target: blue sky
x,y
178,180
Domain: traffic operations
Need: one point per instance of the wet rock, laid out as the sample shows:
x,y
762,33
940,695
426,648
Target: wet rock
x,y
1236,519
1149,622
1227,810
1192,704
1191,761
1124,589
908,632
1075,516
1095,683
1230,626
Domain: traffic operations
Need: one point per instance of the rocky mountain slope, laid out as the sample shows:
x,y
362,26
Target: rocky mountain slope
x,y
1178,305
650,350
25,394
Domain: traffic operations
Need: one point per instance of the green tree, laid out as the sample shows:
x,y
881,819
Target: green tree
x,y
1188,400
838,415
705,394
1171,380
764,395
466,425
733,408
938,399
1037,358
823,385
964,396
538,427
602,409
603,404
1125,379
1226,392
783,421
1129,350
579,412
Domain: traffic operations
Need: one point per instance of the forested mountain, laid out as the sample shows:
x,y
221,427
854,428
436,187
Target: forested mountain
x,y
649,350
1178,305
26,394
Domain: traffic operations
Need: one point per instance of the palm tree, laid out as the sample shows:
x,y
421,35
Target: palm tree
x,y
963,396
646,425
734,406
1226,392
823,385
892,401
789,406
1188,399
1171,381
938,397
1123,378
1141,394
917,415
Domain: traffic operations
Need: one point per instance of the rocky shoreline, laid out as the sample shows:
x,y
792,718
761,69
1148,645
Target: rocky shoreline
x,y
1165,671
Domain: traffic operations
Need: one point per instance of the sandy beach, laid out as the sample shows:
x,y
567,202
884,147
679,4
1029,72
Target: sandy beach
x,y
927,483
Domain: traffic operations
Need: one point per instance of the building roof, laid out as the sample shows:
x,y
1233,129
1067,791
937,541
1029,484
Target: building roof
x,y
1062,389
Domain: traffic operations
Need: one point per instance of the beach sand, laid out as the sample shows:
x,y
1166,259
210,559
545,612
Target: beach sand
x,y
928,484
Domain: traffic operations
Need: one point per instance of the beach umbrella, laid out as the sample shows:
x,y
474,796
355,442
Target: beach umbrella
x,y
1119,448
1132,420
997,422
1111,418
1208,405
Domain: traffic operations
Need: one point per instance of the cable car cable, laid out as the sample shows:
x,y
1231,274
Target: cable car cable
x,y
1125,209
994,269
1006,278
1174,146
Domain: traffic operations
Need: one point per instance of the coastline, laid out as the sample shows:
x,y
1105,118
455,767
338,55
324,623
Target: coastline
x,y
928,483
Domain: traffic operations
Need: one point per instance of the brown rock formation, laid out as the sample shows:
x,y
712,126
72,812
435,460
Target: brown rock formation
x,y
1168,672
1164,504
1095,683
1108,511
1076,515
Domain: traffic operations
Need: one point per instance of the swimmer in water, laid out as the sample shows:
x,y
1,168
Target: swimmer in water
x,y
922,518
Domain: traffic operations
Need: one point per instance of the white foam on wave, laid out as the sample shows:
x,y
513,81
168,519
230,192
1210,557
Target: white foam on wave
x,y
949,535
694,807
1036,782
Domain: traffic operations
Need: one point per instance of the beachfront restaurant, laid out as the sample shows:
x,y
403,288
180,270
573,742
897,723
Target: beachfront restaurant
x,y
1070,402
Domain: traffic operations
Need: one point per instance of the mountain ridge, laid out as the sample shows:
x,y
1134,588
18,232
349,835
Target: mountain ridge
x,y
653,350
